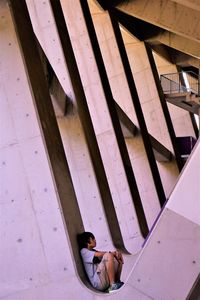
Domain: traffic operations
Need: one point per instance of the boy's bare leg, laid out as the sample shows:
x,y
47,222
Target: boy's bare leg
x,y
119,261
118,272
109,261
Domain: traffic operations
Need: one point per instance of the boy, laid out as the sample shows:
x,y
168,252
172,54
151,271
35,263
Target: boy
x,y
103,268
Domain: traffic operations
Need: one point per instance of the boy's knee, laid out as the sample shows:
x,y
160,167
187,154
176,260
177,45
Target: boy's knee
x,y
108,255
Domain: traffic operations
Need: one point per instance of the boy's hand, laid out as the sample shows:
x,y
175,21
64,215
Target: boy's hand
x,y
118,256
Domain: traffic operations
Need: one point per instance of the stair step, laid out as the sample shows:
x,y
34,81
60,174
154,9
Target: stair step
x,y
187,101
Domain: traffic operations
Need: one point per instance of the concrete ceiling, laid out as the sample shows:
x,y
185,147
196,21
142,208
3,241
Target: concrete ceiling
x,y
171,27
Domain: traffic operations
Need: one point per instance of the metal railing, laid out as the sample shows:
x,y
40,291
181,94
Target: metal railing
x,y
181,82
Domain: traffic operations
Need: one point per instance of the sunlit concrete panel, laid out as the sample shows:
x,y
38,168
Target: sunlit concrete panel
x,y
146,88
151,106
169,263
194,4
169,174
143,177
174,243
178,42
150,102
121,94
95,97
84,179
103,127
112,61
188,205
167,14
44,27
70,126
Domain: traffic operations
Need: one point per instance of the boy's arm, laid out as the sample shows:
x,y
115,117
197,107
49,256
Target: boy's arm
x,y
99,254
116,254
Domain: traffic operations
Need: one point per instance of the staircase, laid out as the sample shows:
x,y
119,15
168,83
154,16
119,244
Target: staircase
x,y
182,90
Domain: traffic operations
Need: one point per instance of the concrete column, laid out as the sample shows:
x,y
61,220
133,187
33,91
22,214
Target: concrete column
x,y
122,95
102,125
70,127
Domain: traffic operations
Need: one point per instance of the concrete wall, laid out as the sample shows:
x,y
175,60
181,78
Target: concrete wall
x,y
122,96
35,253
34,248
150,104
103,127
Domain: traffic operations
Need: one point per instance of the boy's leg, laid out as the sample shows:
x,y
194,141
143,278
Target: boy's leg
x,y
118,272
109,271
118,266
108,259
105,274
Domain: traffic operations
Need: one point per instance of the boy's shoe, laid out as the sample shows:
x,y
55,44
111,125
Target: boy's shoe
x,y
120,282
114,286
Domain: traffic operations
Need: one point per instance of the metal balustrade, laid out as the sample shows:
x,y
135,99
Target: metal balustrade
x,y
181,82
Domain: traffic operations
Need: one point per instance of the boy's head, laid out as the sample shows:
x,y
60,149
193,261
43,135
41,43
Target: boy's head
x,y
86,240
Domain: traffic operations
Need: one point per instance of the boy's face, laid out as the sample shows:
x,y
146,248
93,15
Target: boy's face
x,y
91,243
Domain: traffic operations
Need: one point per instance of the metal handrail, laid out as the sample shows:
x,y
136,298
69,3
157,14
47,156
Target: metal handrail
x,y
175,83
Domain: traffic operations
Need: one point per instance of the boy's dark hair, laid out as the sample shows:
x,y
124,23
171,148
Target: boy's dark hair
x,y
84,238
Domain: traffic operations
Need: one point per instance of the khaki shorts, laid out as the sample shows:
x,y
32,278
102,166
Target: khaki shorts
x,y
101,280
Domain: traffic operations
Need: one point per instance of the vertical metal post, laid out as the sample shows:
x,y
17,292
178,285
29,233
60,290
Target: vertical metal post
x,y
198,83
199,96
170,86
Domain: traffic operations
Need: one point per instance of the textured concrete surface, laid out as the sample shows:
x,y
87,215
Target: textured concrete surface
x,y
36,257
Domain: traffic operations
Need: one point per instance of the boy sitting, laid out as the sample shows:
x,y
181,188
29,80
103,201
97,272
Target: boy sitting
x,y
103,268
